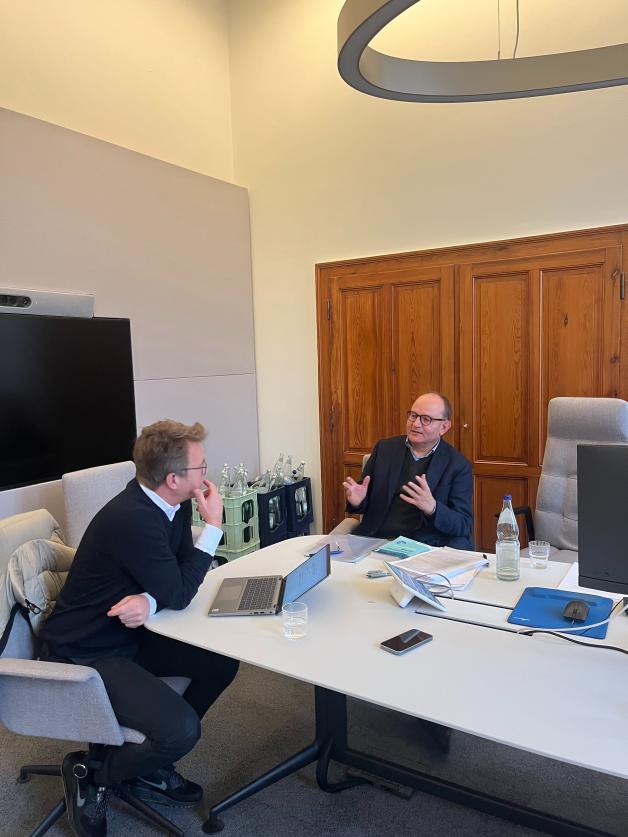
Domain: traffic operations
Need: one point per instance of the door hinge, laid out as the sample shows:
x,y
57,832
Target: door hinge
x,y
328,305
331,420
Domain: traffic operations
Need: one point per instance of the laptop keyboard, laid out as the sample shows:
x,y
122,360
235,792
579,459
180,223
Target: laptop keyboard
x,y
258,594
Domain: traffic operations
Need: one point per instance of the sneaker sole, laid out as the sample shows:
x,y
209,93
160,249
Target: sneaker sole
x,y
147,795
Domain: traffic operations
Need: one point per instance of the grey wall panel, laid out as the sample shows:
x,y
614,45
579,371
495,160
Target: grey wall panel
x,y
226,405
165,246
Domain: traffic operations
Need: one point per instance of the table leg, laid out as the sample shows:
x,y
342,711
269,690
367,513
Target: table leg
x,y
285,768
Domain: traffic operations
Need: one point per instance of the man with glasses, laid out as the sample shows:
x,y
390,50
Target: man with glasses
x,y
416,485
135,557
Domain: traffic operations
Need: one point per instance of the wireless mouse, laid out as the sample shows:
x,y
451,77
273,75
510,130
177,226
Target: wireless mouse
x,y
577,610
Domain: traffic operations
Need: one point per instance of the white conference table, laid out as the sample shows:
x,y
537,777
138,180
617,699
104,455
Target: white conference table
x,y
540,693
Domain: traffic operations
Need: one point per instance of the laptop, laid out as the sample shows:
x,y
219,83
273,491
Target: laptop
x,y
267,594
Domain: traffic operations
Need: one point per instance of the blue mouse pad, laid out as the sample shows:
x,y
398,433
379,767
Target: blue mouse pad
x,y
542,607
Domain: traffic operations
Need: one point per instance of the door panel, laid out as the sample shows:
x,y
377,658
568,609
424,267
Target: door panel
x,y
502,370
530,330
365,379
423,340
572,319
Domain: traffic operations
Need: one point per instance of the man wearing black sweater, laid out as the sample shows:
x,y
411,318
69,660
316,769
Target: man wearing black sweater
x,y
137,556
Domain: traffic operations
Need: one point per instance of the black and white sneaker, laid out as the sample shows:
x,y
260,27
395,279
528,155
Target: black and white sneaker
x,y
166,787
86,803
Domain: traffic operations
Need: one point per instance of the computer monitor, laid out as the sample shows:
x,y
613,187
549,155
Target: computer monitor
x,y
603,517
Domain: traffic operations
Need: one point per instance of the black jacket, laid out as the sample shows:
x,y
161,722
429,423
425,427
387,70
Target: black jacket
x,y
129,547
450,480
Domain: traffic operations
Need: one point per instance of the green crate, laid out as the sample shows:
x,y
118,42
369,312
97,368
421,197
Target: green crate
x,y
231,556
238,536
236,510
240,509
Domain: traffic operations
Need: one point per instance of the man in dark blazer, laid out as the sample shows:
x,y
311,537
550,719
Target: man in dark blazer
x,y
416,485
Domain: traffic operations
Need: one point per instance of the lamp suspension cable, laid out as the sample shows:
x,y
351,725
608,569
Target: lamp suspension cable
x,y
514,52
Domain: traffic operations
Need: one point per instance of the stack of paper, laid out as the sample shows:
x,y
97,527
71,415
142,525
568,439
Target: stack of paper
x,y
440,566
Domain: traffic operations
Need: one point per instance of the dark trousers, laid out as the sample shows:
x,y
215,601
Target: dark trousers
x,y
140,700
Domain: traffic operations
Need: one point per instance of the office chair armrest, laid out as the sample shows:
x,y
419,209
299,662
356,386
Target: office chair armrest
x,y
56,700
526,511
41,670
345,527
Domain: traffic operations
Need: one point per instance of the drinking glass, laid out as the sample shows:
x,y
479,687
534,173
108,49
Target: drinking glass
x,y
539,554
294,617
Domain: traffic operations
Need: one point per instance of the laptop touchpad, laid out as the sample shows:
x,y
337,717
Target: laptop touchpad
x,y
230,592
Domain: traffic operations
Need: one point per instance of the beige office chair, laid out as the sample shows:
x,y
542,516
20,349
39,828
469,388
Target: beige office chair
x,y
35,695
85,492
570,422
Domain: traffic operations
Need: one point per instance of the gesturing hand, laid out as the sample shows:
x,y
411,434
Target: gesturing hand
x,y
417,493
209,503
132,611
354,491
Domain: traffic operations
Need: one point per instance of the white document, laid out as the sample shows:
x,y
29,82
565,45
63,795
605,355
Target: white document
x,y
570,582
451,563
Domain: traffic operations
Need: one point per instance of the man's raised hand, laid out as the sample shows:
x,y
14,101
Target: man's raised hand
x,y
209,503
355,492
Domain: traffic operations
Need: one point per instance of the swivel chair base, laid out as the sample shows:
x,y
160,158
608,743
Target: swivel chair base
x,y
121,791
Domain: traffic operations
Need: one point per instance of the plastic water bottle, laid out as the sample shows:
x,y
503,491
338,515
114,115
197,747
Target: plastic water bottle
x,y
507,547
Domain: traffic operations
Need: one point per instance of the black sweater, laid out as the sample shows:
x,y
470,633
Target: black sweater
x,y
129,547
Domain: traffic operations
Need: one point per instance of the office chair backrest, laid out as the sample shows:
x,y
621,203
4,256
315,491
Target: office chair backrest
x,y
86,492
570,422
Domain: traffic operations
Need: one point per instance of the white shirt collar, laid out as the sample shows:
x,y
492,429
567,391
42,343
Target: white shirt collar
x,y
415,456
166,508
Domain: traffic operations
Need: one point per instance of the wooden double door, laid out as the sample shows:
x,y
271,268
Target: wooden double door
x,y
499,328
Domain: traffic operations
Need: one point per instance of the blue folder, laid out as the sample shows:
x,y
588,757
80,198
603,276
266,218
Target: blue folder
x,y
542,607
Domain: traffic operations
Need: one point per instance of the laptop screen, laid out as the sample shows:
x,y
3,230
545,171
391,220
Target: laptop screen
x,y
311,572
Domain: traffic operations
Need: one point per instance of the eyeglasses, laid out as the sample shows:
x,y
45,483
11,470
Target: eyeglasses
x,y
425,420
202,468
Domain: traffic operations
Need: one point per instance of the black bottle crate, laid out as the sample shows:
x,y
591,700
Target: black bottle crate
x,y
299,503
273,518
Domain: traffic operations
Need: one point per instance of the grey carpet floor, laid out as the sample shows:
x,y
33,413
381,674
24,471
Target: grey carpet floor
x,y
264,717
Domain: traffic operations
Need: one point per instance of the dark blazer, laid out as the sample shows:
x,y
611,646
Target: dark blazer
x,y
450,480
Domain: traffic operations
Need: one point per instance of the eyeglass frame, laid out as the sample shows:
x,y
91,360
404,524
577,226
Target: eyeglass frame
x,y
202,468
423,418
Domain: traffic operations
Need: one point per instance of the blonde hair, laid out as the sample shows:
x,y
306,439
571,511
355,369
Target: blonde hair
x,y
162,449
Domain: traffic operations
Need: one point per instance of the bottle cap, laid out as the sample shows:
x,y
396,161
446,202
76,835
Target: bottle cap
x,y
507,496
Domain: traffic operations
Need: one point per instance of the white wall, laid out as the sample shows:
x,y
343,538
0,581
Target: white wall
x,y
149,75
334,174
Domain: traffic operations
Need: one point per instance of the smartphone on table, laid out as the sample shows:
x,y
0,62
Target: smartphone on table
x,y
404,642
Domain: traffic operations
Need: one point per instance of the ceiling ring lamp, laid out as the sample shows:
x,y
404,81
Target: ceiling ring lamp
x,y
405,80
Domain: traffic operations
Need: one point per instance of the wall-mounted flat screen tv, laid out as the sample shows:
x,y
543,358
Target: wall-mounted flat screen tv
x,y
67,399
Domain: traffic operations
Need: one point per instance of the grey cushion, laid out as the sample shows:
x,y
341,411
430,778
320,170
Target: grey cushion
x,y
36,573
